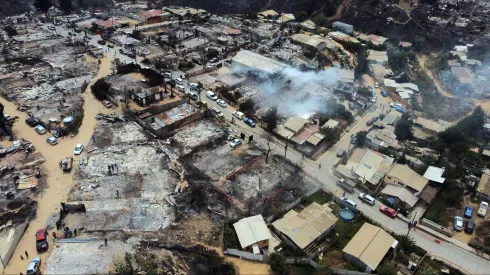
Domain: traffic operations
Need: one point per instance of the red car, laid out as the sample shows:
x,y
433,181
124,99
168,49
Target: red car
x,y
390,212
42,240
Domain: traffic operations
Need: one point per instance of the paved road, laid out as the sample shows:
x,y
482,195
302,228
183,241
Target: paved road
x,y
324,175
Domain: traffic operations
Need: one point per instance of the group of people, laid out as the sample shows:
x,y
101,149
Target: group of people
x,y
112,168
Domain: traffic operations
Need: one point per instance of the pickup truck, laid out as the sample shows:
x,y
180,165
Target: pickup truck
x,y
483,209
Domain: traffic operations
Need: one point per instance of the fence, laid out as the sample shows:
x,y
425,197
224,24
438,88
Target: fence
x,y
315,265
293,204
245,255
439,228
19,231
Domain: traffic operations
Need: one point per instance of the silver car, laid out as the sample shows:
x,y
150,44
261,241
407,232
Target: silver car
x,y
34,267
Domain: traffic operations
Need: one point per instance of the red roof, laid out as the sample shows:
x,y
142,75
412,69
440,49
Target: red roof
x,y
40,234
107,23
150,13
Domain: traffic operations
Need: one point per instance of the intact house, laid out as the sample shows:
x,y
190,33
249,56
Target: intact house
x,y
403,187
304,135
345,28
366,166
154,16
303,229
483,189
253,234
425,128
369,247
377,57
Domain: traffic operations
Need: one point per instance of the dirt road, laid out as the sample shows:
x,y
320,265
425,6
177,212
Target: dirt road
x,y
58,183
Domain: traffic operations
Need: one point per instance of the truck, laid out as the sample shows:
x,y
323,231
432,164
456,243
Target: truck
x,y
345,185
483,209
66,164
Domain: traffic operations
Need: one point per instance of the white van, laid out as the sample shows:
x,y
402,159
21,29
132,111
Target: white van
x,y
211,95
367,199
349,201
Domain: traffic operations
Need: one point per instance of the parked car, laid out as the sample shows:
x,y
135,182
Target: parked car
x,y
51,27
341,153
470,226
211,95
180,87
221,103
370,122
249,122
101,42
468,212
458,223
349,201
34,267
107,104
110,46
7,116
178,80
52,140
196,60
78,149
42,240
168,74
217,112
235,142
238,114
390,212
40,130
367,198
376,84
31,121
384,93
353,140
213,60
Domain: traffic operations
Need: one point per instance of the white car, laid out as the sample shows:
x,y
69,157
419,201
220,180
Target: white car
x,y
376,84
235,142
167,74
40,130
222,103
52,140
78,149
458,223
211,95
178,80
238,114
217,112
6,116
349,201
180,87
367,198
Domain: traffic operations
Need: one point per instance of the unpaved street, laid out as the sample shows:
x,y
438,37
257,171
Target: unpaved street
x,y
59,183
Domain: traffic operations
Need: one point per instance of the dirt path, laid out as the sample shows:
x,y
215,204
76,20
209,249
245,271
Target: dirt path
x,y
58,183
439,86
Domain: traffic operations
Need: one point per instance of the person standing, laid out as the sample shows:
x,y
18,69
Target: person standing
x,y
22,258
27,254
105,240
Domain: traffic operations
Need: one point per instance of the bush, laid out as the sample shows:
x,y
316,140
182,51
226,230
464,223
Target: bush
x,y
300,16
387,268
230,239
278,265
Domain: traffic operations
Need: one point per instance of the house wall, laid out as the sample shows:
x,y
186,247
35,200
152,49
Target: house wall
x,y
261,244
155,19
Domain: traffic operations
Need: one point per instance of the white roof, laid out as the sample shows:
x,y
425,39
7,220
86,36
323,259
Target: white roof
x,y
259,62
251,230
404,95
435,174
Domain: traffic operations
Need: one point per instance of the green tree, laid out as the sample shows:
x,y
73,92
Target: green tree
x,y
277,263
361,138
398,60
43,6
331,135
362,64
212,53
323,270
387,268
230,239
407,243
320,19
271,119
136,34
365,92
473,123
300,16
403,129
65,6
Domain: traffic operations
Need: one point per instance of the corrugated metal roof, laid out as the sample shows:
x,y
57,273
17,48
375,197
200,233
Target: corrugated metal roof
x,y
251,230
295,123
400,192
408,177
434,174
304,227
370,245
259,62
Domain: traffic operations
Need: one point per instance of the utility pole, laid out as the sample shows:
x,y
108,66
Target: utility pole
x,y
286,147
411,223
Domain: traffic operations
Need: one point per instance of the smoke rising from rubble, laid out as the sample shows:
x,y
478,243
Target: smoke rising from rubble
x,y
300,84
